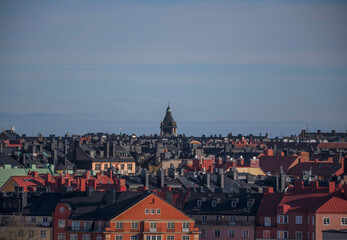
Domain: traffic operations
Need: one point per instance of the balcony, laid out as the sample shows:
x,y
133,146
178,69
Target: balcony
x,y
153,230
46,224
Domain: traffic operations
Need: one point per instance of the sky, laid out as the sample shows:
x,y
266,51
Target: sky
x,y
224,66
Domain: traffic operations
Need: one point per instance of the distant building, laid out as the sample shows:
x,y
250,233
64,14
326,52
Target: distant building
x,y
168,126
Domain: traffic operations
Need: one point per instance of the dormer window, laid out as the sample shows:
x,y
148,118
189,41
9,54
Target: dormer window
x,y
199,203
214,203
233,203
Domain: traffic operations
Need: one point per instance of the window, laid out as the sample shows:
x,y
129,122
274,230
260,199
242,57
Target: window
x,y
119,225
75,225
31,233
248,219
61,236
312,235
344,221
232,220
308,219
249,203
98,237
204,218
61,223
87,226
153,227
298,219
86,236
105,166
218,218
266,234
153,237
202,232
43,233
134,225
231,233
130,167
152,211
233,203
326,220
170,225
33,219
73,237
312,220
134,237
158,211
122,166
199,203
282,219
146,211
216,233
170,237
282,234
214,203
267,221
298,235
245,234
118,237
185,227
308,235
97,167
61,209
185,237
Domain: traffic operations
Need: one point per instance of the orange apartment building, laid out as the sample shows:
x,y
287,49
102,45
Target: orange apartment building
x,y
111,215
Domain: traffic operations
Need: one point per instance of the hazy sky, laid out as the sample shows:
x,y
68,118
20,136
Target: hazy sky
x,y
224,66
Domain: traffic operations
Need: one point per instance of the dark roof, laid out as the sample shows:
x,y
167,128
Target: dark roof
x,y
223,203
98,205
317,168
9,160
42,205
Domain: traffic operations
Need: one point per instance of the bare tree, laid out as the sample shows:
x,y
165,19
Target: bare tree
x,y
13,228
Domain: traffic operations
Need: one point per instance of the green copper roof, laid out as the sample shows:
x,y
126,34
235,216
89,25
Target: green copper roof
x,y
9,171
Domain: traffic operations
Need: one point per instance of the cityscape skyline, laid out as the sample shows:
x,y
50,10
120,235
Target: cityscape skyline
x,y
224,66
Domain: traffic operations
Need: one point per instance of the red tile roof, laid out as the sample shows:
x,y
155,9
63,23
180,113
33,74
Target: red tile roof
x,y
26,181
272,164
336,145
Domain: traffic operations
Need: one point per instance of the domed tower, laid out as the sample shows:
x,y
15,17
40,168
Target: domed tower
x,y
168,126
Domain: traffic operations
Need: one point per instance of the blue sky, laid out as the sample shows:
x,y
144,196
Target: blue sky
x,y
224,66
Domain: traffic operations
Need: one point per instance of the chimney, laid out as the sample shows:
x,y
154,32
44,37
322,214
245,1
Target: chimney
x,y
220,179
55,157
23,159
331,187
269,152
65,147
268,190
207,178
145,178
318,131
160,178
107,149
34,148
114,149
41,148
333,132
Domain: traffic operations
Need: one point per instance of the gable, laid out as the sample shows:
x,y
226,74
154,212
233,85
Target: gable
x,y
167,211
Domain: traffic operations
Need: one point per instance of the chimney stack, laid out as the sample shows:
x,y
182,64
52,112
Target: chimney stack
x,y
113,149
220,179
160,178
145,178
65,147
107,149
207,178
